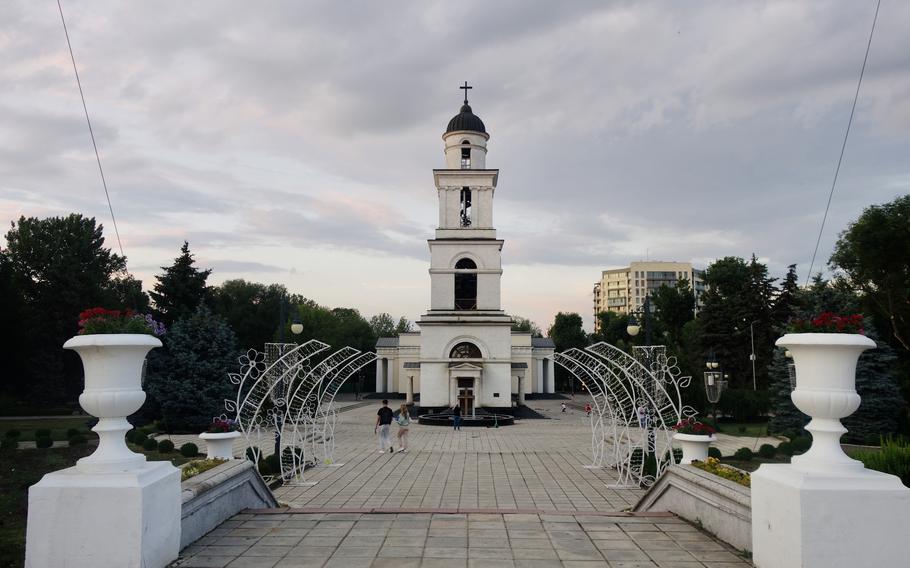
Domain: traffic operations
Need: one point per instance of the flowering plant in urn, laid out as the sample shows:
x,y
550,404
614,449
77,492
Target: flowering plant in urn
x,y
693,427
112,345
825,350
221,425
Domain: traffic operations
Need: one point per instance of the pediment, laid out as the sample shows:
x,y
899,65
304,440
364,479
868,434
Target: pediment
x,y
465,366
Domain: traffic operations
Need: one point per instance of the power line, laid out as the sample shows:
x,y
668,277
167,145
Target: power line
x,y
90,131
844,145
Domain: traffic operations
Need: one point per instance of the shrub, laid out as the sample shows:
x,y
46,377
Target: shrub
x,y
150,445
146,430
743,454
130,436
139,438
725,471
744,405
77,440
9,443
801,444
714,453
12,433
72,432
893,458
785,449
251,455
767,451
42,433
44,442
199,466
274,463
189,450
264,468
165,446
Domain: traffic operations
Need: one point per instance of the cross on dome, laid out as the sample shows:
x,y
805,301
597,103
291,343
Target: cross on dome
x,y
465,88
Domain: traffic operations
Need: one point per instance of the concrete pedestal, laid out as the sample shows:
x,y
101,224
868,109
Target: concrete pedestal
x,y
119,520
809,520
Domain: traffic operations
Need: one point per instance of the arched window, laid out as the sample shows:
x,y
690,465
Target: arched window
x,y
466,155
465,350
465,206
465,285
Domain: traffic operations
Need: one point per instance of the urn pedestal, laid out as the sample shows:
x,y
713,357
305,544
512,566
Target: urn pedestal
x,y
694,447
825,510
219,445
112,509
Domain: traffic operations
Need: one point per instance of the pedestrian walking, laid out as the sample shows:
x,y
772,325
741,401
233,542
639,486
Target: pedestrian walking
x,y
563,405
587,409
384,426
404,421
456,417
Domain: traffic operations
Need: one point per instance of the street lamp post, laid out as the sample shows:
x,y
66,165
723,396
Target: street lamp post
x,y
714,382
752,354
296,329
633,329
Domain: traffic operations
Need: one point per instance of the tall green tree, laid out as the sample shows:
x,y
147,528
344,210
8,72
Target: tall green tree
x,y
524,324
566,332
874,255
58,267
253,310
188,380
181,288
674,307
383,325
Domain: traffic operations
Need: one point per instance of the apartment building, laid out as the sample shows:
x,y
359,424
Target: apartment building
x,y
622,290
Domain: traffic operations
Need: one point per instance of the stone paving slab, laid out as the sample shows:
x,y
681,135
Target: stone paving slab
x,y
283,538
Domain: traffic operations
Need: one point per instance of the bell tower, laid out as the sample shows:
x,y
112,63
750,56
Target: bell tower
x,y
465,314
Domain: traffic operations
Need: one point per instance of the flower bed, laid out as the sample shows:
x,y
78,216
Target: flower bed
x,y
198,466
713,465
693,427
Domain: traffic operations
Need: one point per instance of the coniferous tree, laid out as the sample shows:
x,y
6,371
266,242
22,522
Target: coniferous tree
x,y
786,419
188,380
181,289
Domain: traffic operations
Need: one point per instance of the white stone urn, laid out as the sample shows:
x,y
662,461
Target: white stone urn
x,y
113,391
694,446
219,445
826,392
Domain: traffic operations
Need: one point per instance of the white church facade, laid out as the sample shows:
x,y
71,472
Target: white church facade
x,y
465,352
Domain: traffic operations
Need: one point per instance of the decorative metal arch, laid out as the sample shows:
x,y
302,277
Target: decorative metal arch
x,y
636,400
288,389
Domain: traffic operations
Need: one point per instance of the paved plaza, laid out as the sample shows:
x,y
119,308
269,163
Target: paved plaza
x,y
516,496
278,539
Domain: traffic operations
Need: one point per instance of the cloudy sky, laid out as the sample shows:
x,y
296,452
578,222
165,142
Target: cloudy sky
x,y
293,142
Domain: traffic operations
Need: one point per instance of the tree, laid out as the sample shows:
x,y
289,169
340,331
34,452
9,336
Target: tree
x,y
181,289
252,310
674,307
383,325
787,301
874,254
403,326
567,332
188,380
786,418
58,267
523,324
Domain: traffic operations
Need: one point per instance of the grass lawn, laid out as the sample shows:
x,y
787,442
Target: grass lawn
x,y
57,426
753,464
20,469
750,429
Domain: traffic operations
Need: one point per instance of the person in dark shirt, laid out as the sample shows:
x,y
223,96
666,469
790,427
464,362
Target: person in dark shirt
x,y
384,427
456,417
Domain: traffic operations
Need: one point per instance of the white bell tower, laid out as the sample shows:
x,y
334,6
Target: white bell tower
x,y
465,275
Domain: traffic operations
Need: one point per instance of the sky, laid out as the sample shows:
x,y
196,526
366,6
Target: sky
x,y
294,142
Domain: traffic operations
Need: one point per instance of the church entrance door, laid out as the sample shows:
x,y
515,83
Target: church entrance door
x,y
466,396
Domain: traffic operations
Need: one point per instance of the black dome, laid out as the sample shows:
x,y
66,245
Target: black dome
x,y
466,120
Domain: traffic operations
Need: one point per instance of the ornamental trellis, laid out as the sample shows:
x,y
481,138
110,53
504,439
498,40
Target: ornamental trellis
x,y
636,399
286,400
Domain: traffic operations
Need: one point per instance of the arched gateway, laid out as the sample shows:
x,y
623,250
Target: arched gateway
x,y
637,399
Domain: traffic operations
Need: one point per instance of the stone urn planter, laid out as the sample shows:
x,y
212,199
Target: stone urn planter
x,y
826,391
694,446
219,444
113,391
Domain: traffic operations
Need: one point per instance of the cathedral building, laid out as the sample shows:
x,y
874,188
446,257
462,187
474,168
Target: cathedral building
x,y
465,352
